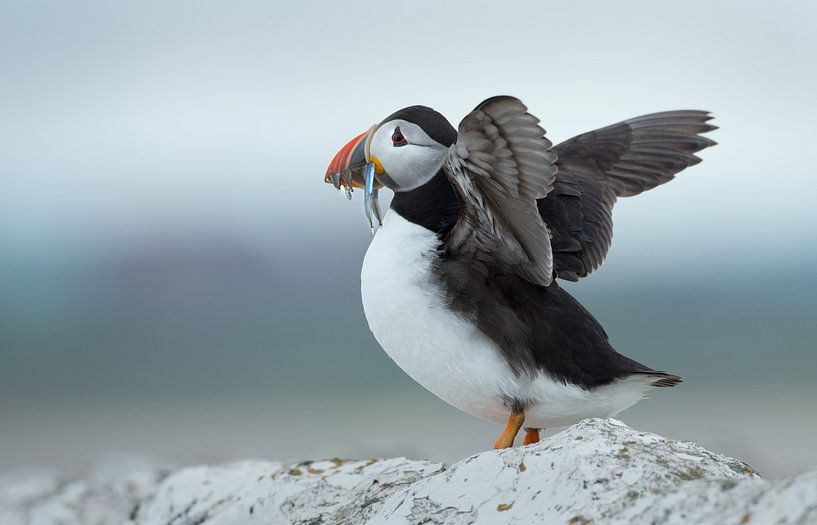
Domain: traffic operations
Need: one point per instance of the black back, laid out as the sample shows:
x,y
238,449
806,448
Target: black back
x,y
536,328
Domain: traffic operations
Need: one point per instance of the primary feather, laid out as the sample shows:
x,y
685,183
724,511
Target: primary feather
x,y
597,167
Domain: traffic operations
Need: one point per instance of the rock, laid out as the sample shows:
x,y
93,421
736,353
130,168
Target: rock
x,y
107,496
598,471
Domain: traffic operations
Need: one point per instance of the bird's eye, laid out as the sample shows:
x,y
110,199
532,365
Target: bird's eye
x,y
397,138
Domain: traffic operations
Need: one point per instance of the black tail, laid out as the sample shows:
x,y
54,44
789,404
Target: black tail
x,y
663,379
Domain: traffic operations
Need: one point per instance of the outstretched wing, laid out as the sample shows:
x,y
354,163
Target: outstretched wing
x,y
500,166
616,161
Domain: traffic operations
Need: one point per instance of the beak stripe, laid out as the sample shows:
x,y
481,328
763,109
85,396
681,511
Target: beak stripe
x,y
340,162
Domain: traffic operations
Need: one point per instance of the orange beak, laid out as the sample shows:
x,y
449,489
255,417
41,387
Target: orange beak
x,y
355,167
348,165
346,168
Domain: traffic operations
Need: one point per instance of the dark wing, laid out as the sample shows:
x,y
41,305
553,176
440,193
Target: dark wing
x,y
499,167
617,161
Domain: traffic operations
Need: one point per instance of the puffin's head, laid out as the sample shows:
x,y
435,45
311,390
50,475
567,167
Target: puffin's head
x,y
406,150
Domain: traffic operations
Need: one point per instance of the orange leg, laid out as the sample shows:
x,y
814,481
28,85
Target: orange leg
x,y
511,430
531,436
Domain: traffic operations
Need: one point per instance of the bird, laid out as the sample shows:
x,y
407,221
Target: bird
x,y
460,283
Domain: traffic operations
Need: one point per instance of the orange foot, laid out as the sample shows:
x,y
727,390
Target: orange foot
x,y
531,436
511,430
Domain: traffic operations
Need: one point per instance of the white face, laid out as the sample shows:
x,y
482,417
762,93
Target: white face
x,y
410,162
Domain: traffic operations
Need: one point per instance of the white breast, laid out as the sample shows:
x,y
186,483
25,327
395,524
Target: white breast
x,y
448,355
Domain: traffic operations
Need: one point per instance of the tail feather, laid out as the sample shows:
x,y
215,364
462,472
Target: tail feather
x,y
663,379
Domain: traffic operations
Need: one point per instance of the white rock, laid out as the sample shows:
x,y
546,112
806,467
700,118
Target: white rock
x,y
107,496
599,471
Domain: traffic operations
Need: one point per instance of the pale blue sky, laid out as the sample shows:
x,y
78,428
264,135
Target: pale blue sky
x,y
124,121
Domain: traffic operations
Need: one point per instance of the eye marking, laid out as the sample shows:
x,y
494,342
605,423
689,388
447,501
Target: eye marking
x,y
397,138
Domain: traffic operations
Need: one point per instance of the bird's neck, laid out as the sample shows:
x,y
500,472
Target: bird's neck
x,y
433,205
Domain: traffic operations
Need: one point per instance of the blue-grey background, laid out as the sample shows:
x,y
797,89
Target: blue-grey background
x,y
177,281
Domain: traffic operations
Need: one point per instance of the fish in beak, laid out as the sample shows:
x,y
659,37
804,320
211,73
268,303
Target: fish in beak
x,y
352,167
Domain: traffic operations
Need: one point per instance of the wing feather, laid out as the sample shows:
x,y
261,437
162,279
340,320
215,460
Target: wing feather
x,y
500,166
620,160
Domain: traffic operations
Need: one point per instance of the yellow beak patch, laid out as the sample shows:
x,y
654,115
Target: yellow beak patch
x,y
378,167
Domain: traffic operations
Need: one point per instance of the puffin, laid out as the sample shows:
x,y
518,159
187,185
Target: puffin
x,y
460,284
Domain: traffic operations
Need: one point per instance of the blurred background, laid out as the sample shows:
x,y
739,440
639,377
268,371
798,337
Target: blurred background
x,y
177,282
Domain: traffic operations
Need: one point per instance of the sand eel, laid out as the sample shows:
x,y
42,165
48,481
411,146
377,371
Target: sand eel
x,y
459,284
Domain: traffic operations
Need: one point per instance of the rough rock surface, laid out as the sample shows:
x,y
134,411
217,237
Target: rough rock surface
x,y
599,471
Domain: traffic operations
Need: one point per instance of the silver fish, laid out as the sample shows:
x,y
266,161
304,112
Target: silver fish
x,y
347,178
335,177
370,204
